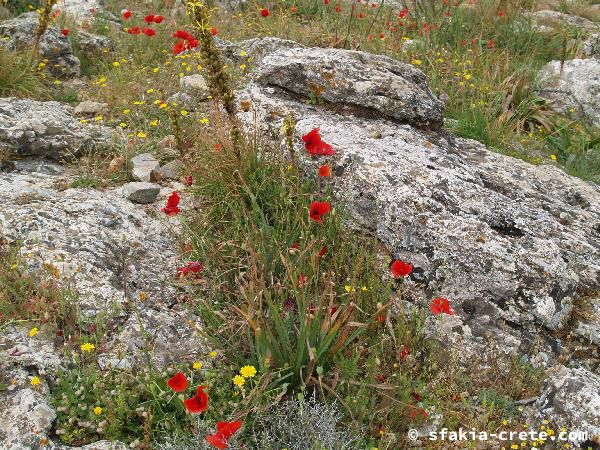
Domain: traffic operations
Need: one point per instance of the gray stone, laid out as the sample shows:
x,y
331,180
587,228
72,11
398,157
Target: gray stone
x,y
571,399
255,48
141,192
195,86
54,46
485,230
575,91
143,165
172,170
355,80
88,108
93,45
591,46
48,129
103,246
181,99
552,21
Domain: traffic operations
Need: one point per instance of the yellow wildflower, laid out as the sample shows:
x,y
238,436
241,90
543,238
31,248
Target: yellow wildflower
x,y
87,347
238,380
97,410
141,135
248,371
35,381
33,331
197,365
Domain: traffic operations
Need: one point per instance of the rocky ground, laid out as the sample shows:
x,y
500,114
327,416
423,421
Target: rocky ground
x,y
515,246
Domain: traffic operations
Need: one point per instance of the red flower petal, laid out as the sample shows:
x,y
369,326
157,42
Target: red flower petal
x,y
322,251
198,403
325,171
441,305
315,145
214,31
218,441
158,19
400,268
127,14
64,32
149,32
228,429
264,12
172,208
188,180
181,34
178,382
149,18
318,209
134,30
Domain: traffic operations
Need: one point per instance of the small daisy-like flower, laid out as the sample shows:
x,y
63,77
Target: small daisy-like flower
x,y
33,331
238,380
183,112
204,121
213,354
97,410
87,347
141,135
116,64
248,371
35,381
197,365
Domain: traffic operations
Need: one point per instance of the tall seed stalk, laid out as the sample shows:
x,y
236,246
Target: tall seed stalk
x,y
42,27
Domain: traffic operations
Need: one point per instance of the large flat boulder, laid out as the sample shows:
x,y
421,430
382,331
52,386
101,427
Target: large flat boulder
x,y
18,33
353,79
511,244
575,90
47,129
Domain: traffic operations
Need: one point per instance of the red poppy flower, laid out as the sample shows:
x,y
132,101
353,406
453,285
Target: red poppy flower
x,y
322,251
214,31
64,32
181,34
326,2
325,171
126,14
172,207
501,13
190,267
149,32
441,305
338,9
400,269
149,18
319,209
192,43
198,403
134,30
158,19
294,248
315,145
178,382
402,14
264,12
293,10
224,432
491,43
188,180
